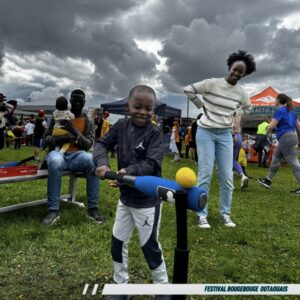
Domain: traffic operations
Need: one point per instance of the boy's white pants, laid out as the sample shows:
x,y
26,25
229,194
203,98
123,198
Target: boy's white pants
x,y
146,220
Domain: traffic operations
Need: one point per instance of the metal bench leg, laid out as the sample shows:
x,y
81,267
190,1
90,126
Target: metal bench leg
x,y
22,205
71,197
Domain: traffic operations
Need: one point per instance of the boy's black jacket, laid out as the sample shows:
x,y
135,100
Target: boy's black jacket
x,y
139,151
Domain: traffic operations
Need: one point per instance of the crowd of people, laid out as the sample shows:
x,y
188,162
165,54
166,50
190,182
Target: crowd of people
x,y
17,131
213,139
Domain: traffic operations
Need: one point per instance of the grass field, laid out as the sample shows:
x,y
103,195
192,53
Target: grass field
x,y
39,262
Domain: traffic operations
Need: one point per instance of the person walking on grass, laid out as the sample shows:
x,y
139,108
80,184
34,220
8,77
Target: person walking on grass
x,y
18,132
262,143
29,130
287,128
174,141
237,145
187,140
75,159
140,152
221,97
39,130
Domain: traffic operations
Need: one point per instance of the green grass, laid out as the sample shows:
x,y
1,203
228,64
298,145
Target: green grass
x,y
39,262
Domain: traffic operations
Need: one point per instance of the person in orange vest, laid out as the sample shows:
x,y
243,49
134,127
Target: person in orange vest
x,y
187,139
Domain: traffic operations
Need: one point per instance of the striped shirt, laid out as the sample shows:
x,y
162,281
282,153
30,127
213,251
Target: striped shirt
x,y
219,101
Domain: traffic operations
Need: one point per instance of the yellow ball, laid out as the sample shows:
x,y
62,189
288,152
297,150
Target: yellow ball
x,y
186,177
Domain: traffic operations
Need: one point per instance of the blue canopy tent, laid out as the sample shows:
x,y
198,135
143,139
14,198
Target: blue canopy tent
x,y
161,109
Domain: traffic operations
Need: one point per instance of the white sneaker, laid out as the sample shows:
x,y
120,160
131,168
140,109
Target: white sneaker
x,y
244,181
203,223
227,221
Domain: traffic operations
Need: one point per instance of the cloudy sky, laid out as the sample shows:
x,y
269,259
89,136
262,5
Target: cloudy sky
x,y
48,48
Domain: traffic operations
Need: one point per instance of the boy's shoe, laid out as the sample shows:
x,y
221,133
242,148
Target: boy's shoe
x,y
265,182
203,223
227,221
296,192
51,217
95,215
244,181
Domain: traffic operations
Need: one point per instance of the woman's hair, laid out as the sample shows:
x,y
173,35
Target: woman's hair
x,y
247,58
284,99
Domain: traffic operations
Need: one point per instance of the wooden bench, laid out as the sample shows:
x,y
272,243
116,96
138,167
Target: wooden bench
x,y
42,174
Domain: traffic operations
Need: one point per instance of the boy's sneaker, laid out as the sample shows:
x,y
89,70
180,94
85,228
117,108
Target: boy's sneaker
x,y
265,182
227,221
244,181
203,223
95,215
296,192
51,218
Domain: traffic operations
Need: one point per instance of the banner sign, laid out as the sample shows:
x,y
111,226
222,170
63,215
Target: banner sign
x,y
201,289
269,110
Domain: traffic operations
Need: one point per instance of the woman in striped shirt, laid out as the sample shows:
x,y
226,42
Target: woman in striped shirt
x,y
221,97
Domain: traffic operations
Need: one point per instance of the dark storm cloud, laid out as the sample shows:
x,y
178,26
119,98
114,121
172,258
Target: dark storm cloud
x,y
199,50
194,55
1,54
157,18
91,44
120,64
89,30
36,25
283,58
